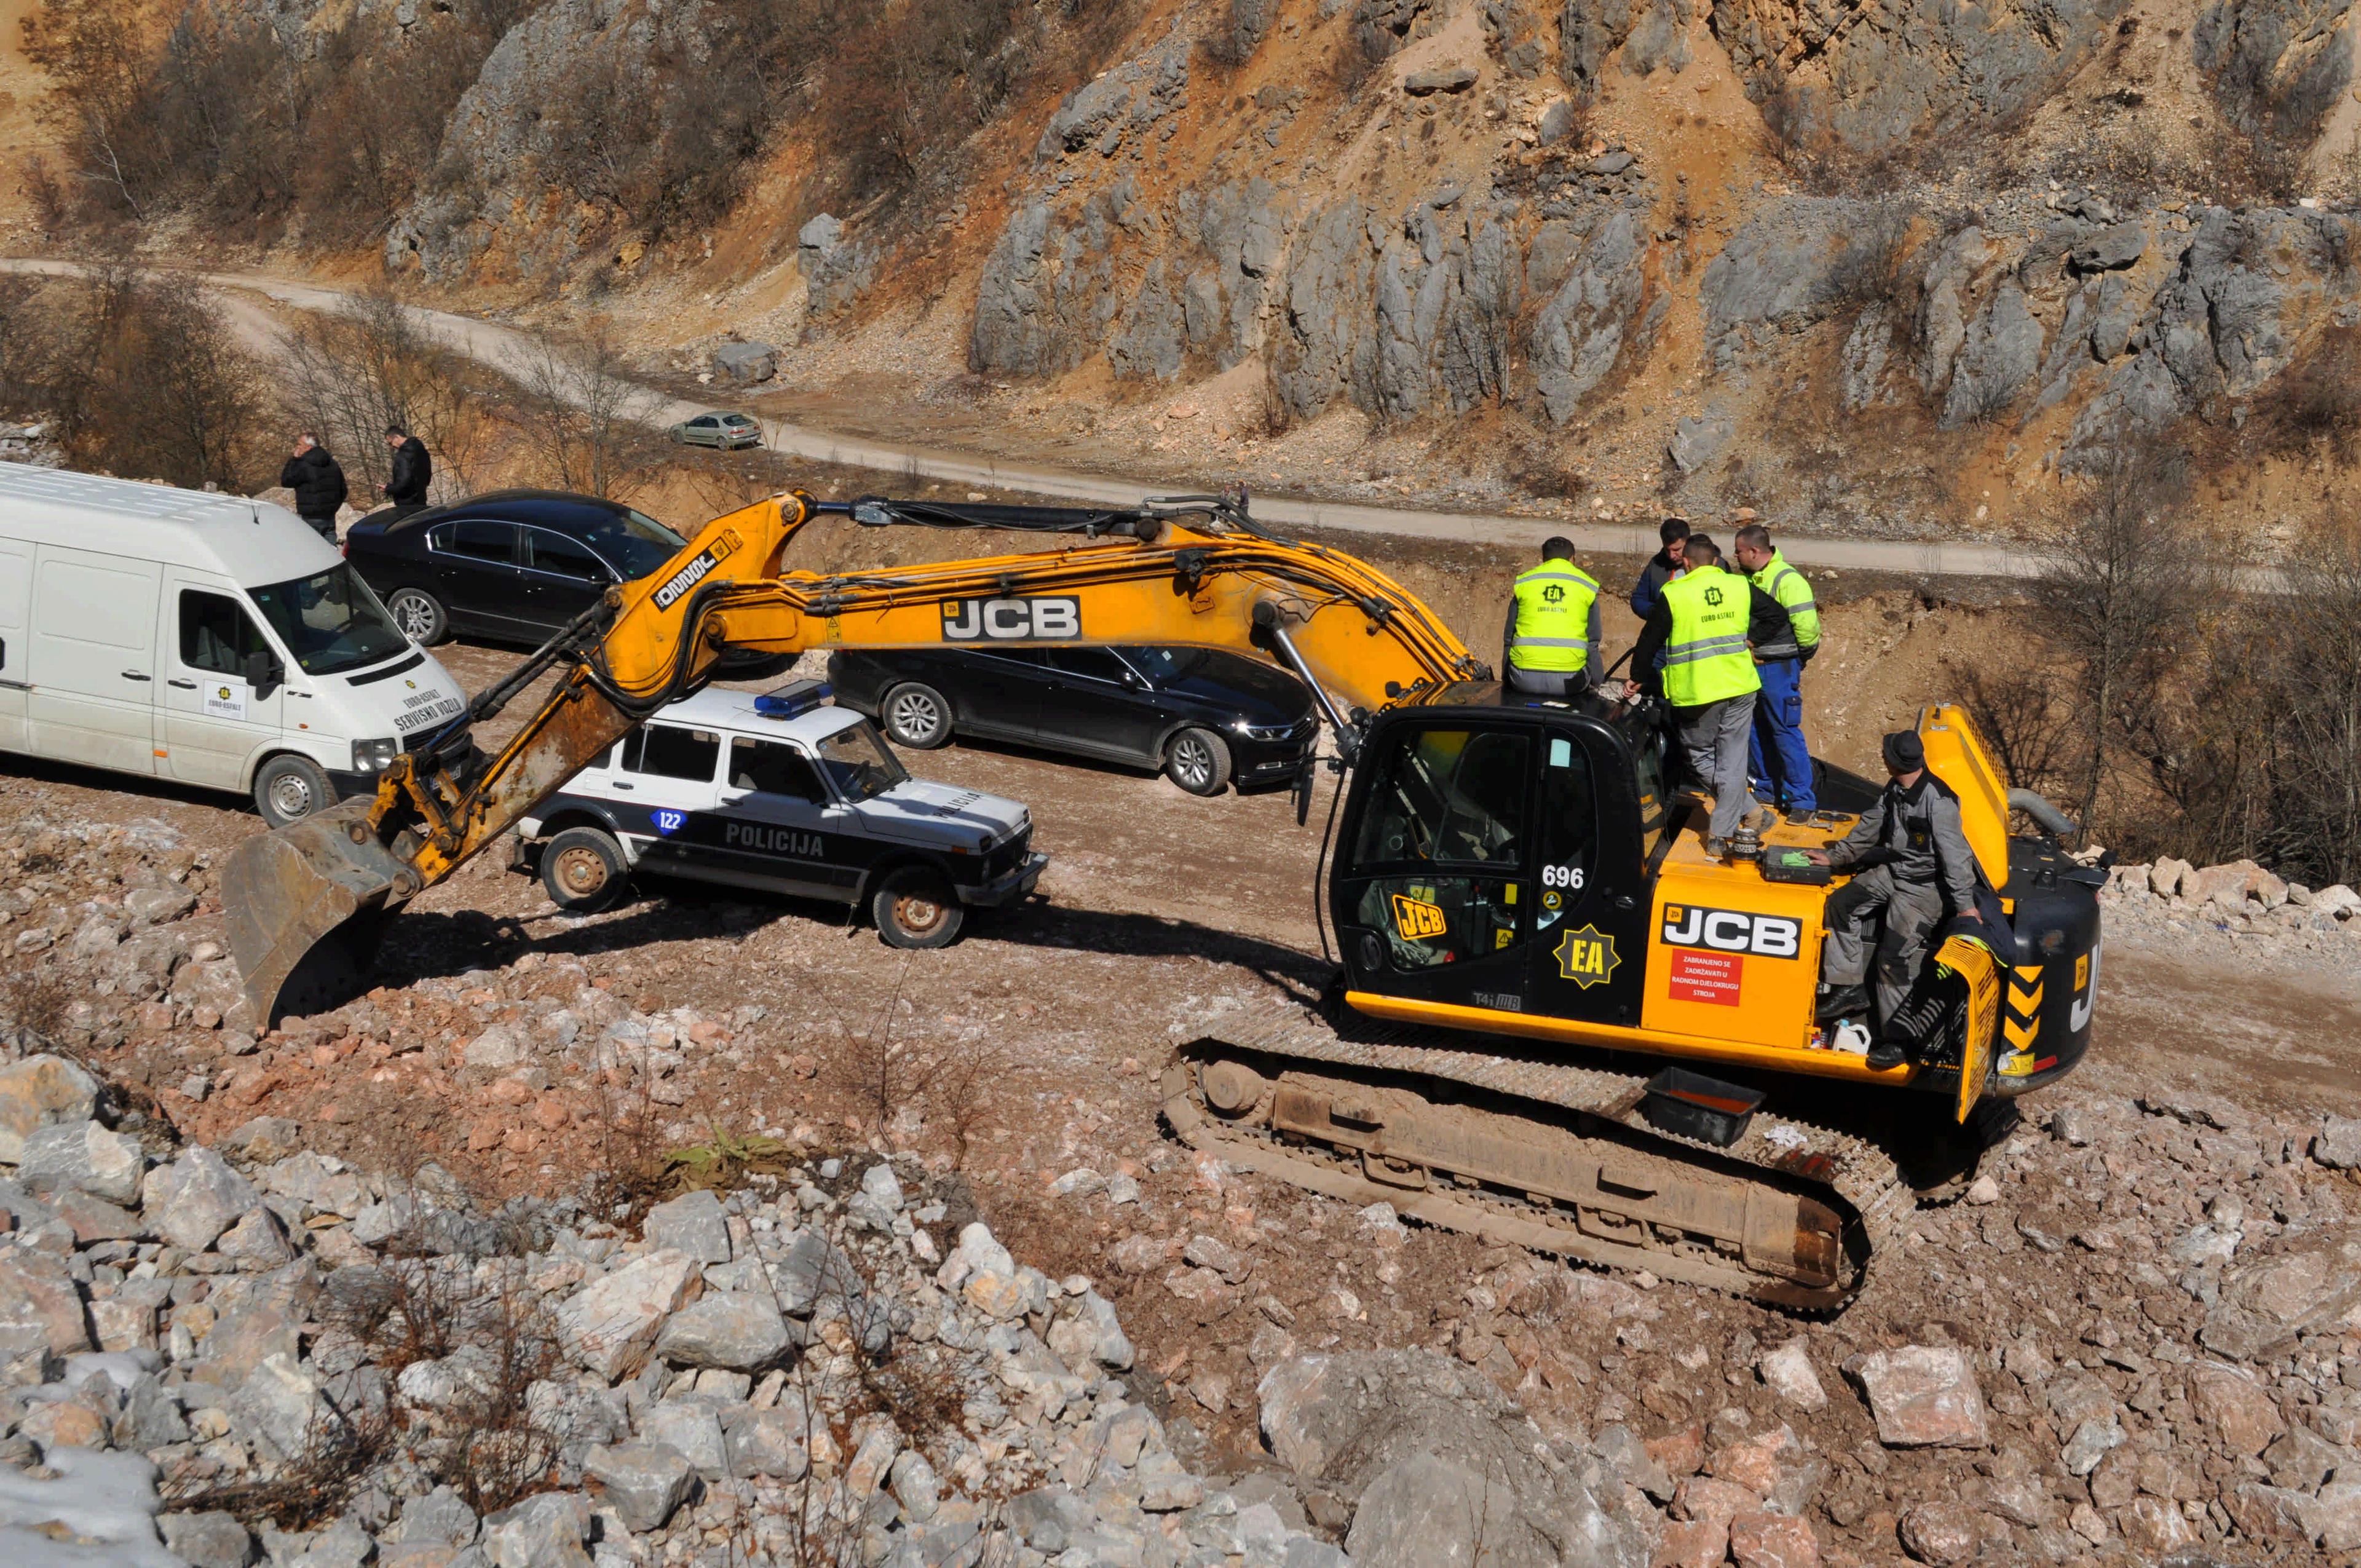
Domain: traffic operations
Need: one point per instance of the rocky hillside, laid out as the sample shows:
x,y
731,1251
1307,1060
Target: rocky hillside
x,y
1892,267
1724,252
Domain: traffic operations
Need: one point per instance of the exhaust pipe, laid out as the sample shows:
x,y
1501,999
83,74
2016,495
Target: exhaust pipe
x,y
305,904
2045,817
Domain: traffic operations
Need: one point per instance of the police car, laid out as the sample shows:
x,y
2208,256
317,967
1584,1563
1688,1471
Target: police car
x,y
787,792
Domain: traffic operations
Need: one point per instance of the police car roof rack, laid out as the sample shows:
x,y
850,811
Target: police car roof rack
x,y
797,696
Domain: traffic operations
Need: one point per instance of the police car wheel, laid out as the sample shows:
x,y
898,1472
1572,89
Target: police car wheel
x,y
1198,761
913,907
582,871
917,716
290,788
420,615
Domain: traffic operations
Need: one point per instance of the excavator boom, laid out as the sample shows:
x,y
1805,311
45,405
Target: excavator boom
x,y
306,901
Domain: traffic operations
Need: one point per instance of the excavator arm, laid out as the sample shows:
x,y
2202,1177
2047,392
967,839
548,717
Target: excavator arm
x,y
306,902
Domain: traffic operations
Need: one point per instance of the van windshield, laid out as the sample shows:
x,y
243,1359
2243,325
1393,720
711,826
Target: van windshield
x,y
330,623
633,542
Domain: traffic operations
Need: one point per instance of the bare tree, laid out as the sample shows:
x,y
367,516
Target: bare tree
x,y
353,372
149,382
585,416
2121,602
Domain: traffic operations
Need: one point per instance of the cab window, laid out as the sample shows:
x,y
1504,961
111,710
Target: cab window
x,y
216,634
1449,796
1567,831
675,752
769,767
1648,782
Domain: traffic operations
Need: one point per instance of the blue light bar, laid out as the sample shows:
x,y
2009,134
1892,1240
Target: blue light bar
x,y
795,698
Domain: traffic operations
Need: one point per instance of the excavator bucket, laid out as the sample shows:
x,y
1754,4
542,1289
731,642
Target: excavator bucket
x,y
305,904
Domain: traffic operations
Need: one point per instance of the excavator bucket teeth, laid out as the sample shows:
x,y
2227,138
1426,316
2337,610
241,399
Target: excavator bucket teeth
x,y
304,905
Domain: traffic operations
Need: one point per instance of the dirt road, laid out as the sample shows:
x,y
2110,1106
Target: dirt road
x,y
509,349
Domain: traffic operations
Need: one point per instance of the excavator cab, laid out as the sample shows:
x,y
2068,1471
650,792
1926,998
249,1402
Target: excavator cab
x,y
1494,857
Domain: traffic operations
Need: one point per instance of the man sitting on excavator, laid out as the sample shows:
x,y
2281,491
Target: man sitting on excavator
x,y
1913,867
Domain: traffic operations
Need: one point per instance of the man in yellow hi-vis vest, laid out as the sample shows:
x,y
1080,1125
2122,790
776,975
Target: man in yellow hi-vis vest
x,y
1707,625
1779,758
1552,628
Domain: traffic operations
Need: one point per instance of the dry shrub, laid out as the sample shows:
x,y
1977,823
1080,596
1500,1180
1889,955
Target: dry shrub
x,y
149,383
339,1452
33,1004
494,1334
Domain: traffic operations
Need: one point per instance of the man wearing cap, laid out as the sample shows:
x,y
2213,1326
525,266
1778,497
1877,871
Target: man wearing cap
x,y
1777,755
1912,867
1552,626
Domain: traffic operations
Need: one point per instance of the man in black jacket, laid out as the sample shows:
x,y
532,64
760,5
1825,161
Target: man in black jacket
x,y
413,469
318,483
1661,567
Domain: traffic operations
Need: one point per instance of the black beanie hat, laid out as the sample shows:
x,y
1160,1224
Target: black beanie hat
x,y
1904,752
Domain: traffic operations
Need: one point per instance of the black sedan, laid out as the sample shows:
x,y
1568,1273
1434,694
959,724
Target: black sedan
x,y
512,565
1206,718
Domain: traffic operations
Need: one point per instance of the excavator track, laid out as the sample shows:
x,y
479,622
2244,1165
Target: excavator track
x,y
1537,1154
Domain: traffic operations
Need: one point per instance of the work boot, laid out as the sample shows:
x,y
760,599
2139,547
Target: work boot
x,y
1716,848
1844,1002
1799,819
1887,1054
1762,819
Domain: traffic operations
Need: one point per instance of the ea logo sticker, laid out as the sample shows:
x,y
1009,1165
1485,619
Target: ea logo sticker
x,y
410,684
1587,957
1553,594
668,822
1713,596
221,692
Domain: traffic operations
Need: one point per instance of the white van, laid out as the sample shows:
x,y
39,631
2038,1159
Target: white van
x,y
202,638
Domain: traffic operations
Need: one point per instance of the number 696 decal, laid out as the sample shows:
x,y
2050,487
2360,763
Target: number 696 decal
x,y
1563,876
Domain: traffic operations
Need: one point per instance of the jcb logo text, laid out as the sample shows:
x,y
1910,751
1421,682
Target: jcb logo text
x,y
1732,931
1012,620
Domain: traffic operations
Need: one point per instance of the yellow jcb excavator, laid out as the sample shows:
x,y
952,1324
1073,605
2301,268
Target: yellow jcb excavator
x,y
1539,963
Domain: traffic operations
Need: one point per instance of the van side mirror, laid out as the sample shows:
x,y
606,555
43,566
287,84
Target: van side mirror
x,y
263,674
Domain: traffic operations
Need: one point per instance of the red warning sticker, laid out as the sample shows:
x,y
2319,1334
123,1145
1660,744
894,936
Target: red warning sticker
x,y
1706,977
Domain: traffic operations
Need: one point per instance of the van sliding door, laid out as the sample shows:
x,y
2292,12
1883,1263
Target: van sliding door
x,y
93,659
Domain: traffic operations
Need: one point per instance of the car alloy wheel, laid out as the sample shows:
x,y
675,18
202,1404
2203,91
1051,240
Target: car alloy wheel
x,y
1192,762
916,717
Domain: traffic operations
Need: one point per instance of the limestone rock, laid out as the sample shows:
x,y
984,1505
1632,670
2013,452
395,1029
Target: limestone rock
x,y
610,1325
546,1532
197,1197
744,364
643,1483
1923,1395
1787,1372
739,1329
208,1540
1439,79
35,1093
83,1156
693,1223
